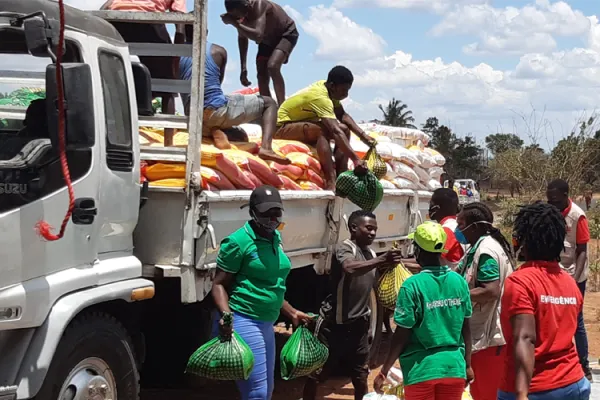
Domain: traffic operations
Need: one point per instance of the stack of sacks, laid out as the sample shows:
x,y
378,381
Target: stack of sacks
x,y
304,173
430,170
238,168
399,135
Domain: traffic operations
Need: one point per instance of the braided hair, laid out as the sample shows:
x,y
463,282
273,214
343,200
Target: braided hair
x,y
542,228
479,212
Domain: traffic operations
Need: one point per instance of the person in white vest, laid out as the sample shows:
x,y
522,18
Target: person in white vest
x,y
574,258
485,267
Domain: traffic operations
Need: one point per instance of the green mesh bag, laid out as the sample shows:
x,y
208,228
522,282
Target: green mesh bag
x,y
222,359
303,353
364,191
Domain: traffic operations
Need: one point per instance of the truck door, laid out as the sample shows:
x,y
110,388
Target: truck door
x,y
41,194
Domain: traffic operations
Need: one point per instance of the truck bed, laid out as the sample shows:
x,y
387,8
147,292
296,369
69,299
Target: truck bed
x,y
312,221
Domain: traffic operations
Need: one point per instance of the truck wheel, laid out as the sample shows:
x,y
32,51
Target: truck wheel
x,y
375,329
94,360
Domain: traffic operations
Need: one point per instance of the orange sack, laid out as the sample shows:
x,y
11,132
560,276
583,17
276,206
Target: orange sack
x,y
160,171
289,184
290,171
178,183
304,161
215,159
312,176
255,165
214,178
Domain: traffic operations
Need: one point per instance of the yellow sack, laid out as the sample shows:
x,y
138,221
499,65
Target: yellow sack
x,y
179,183
375,163
390,284
161,171
467,395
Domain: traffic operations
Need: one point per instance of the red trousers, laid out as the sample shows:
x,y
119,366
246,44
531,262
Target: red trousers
x,y
488,366
437,389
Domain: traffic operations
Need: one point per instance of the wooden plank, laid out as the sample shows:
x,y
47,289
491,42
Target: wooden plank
x,y
164,121
160,49
145,17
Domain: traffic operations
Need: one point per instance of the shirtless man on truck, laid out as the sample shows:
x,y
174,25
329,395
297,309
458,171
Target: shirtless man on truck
x,y
267,24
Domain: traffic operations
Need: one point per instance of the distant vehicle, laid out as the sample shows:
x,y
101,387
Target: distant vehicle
x,y
467,190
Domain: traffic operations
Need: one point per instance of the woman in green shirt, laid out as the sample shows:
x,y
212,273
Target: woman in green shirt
x,y
252,269
433,337
485,267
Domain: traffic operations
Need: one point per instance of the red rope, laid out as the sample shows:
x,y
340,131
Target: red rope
x,y
43,227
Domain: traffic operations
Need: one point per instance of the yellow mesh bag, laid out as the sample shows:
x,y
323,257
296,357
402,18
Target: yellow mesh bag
x,y
375,163
390,284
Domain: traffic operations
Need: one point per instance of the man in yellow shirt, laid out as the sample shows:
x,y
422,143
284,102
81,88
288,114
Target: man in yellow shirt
x,y
315,116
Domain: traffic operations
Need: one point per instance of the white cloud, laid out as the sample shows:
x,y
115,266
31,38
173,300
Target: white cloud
x,y
437,6
85,4
512,30
338,37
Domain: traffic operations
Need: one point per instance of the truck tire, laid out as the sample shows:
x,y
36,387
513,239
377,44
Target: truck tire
x,y
94,360
375,329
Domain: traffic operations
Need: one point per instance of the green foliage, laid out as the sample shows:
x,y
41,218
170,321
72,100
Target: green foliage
x,y
501,142
464,158
397,113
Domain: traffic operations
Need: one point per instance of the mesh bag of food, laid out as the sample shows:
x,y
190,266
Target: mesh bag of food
x,y
303,353
365,191
375,163
389,286
289,184
224,359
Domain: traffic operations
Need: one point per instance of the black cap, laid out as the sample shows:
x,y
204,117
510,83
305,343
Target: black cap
x,y
264,198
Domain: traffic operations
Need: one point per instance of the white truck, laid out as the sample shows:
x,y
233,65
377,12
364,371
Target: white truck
x,y
126,289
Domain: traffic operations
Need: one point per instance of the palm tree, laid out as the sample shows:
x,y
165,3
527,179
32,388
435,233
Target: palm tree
x,y
397,114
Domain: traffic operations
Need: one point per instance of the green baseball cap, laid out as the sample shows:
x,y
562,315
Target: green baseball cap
x,y
430,236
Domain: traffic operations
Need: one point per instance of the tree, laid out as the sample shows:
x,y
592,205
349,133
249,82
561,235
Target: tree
x,y
501,142
463,155
397,114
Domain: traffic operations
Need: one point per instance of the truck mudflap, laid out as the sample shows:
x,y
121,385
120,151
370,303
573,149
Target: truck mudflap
x,y
47,337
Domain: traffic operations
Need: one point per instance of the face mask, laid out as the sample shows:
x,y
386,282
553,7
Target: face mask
x,y
267,223
460,236
432,211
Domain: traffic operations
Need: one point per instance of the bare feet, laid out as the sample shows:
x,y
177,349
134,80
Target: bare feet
x,y
220,139
270,155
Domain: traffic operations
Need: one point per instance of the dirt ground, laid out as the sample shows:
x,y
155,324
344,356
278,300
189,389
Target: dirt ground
x,y
340,388
334,389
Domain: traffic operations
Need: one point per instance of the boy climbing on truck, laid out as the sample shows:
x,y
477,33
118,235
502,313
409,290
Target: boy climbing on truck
x,y
222,112
267,24
315,116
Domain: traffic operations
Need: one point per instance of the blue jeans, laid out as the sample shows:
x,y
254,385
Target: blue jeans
x,y
577,391
581,340
260,337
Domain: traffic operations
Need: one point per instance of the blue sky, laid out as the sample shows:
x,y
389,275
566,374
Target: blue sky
x,y
480,66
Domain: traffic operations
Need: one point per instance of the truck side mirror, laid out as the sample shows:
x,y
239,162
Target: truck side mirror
x,y
41,35
143,88
79,105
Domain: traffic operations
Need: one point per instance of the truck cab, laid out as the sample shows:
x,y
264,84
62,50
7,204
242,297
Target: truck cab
x,y
126,288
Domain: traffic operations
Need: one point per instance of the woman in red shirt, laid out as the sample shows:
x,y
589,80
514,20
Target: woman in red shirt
x,y
540,305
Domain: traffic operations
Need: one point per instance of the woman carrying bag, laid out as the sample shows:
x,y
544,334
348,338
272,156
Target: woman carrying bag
x,y
485,266
249,286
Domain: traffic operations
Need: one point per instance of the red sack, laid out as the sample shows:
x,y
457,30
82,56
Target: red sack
x,y
291,171
312,176
253,178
